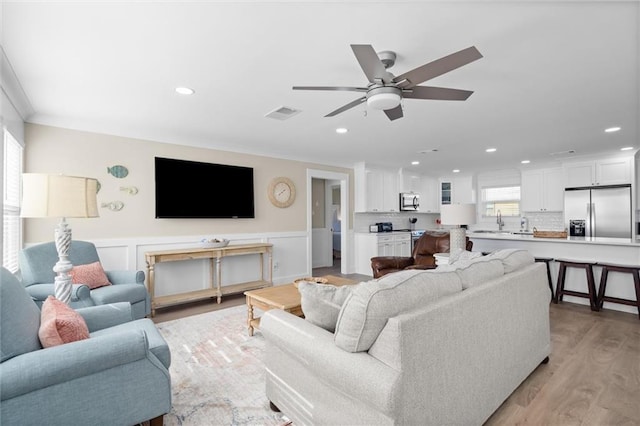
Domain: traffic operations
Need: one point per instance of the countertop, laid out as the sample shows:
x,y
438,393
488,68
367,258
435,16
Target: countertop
x,y
572,240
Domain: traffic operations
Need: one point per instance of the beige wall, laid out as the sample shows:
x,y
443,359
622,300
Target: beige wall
x,y
71,152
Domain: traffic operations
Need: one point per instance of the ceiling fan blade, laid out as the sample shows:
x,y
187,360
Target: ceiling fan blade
x,y
370,63
437,67
347,106
394,113
333,88
437,93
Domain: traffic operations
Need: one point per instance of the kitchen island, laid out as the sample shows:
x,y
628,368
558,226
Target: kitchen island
x,y
624,251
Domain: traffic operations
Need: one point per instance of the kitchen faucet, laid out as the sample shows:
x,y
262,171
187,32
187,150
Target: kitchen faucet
x,y
499,220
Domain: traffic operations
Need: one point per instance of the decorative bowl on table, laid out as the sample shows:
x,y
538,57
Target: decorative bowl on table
x,y
316,280
214,242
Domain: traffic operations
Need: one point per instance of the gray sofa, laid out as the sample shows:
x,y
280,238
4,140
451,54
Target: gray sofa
x,y
440,347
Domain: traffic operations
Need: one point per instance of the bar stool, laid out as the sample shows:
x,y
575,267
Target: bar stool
x,y
588,267
547,260
633,270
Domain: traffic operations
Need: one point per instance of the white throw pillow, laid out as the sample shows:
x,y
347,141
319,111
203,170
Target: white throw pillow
x,y
478,271
321,303
459,255
513,259
369,306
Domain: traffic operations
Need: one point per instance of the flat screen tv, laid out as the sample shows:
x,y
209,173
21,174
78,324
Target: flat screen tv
x,y
191,189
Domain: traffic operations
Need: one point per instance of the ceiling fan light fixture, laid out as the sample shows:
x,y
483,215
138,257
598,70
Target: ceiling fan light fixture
x,y
383,98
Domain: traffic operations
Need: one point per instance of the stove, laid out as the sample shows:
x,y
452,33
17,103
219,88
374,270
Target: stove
x,y
415,234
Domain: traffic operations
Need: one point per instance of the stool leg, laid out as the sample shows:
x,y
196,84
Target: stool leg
x,y
549,279
603,286
592,289
560,284
636,281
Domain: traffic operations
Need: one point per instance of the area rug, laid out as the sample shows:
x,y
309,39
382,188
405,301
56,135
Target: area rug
x,y
217,373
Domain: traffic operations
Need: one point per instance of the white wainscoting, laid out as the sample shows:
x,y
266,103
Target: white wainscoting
x,y
289,260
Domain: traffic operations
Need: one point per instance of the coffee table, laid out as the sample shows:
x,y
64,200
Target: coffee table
x,y
285,297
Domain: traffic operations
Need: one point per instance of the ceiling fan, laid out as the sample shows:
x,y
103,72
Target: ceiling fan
x,y
385,91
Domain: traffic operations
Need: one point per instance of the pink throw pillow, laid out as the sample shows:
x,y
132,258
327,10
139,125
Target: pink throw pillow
x,y
91,274
60,324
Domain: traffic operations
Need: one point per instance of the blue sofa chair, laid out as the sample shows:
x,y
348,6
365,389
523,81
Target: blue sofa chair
x,y
118,376
36,268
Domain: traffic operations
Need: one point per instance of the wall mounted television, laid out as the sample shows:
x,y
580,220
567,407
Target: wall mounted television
x,y
192,189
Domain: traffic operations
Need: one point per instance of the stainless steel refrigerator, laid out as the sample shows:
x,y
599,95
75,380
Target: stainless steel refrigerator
x,y
599,211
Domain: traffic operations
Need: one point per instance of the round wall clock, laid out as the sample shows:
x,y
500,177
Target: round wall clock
x,y
281,192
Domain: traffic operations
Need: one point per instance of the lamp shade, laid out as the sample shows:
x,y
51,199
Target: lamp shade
x,y
458,214
45,195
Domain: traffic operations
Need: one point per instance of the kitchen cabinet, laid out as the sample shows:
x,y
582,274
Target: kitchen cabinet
x,y
429,202
542,190
612,171
458,190
376,189
380,244
424,185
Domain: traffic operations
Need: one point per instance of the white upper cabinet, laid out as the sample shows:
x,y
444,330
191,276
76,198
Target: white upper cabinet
x,y
458,190
376,189
429,202
601,172
542,190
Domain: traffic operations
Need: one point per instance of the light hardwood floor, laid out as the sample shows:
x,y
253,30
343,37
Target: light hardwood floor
x,y
593,377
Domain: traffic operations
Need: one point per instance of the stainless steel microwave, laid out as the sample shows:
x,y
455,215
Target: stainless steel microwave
x,y
409,201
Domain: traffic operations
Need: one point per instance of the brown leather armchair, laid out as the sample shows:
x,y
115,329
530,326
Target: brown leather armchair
x,y
426,246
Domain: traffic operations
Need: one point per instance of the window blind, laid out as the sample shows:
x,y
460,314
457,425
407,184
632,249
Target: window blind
x,y
12,225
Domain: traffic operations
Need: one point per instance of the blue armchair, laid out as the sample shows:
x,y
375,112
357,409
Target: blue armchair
x,y
36,268
119,376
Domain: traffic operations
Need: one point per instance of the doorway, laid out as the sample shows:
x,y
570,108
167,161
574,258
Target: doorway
x,y
326,233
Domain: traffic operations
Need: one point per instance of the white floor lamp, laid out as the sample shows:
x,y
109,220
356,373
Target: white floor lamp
x,y
60,196
457,214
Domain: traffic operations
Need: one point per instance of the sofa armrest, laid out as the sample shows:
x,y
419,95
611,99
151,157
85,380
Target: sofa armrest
x,y
125,277
79,293
357,374
47,367
395,263
105,316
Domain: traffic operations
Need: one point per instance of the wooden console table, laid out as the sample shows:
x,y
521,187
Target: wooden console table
x,y
215,285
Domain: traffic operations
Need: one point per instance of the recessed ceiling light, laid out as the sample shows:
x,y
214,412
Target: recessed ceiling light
x,y
612,129
456,170
525,161
491,150
185,91
341,130
626,148
415,163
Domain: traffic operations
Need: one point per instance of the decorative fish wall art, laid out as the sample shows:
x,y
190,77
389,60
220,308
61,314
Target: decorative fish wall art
x,y
118,171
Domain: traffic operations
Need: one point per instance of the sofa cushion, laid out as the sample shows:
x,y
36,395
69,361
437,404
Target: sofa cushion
x,y
513,259
91,274
366,310
19,318
321,303
60,324
479,270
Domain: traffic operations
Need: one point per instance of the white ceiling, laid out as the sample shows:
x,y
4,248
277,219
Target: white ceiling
x,y
554,75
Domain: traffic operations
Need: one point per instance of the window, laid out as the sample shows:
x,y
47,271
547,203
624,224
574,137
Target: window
x,y
506,199
12,225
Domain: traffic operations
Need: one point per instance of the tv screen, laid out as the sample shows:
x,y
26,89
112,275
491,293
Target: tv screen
x,y
191,189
